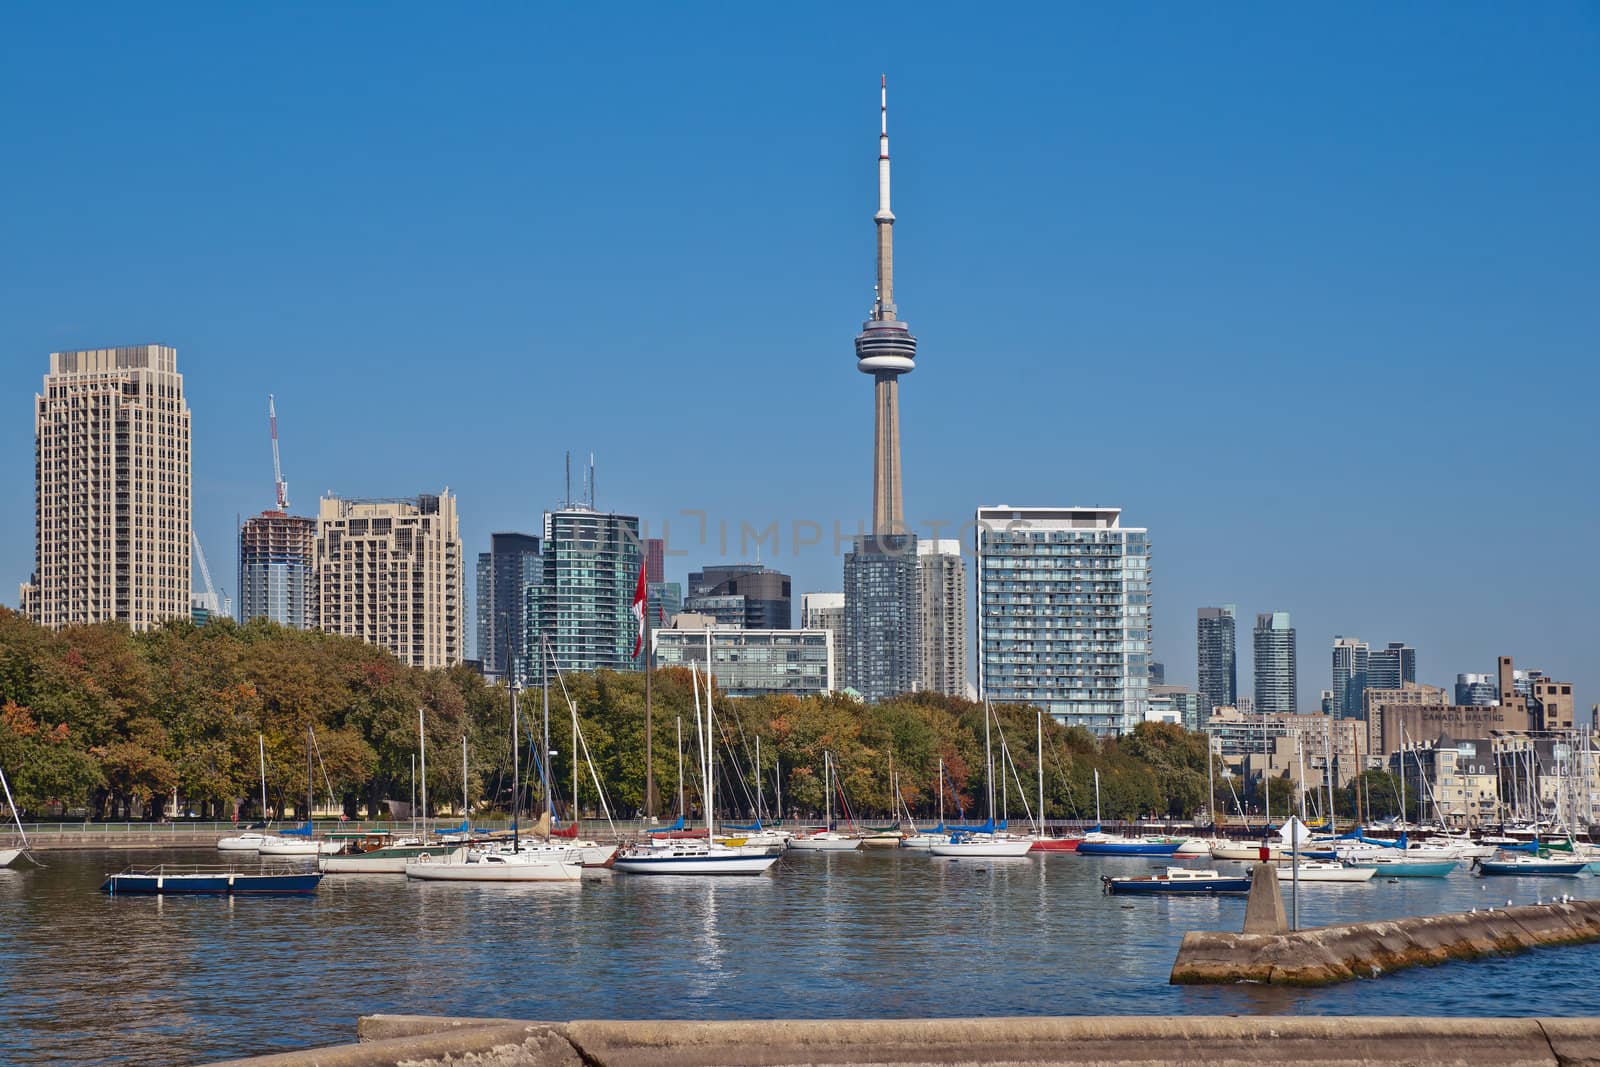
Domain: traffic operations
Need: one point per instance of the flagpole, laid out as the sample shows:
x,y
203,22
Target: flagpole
x,y
649,720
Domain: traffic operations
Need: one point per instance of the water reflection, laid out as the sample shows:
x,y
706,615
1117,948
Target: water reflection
x,y
176,979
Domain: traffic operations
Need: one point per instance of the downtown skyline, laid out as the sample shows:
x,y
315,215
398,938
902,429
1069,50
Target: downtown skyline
x,y
443,331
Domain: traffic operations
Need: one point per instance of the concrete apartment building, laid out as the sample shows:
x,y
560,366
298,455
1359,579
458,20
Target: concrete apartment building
x,y
390,572
942,606
1281,743
1456,781
748,663
1421,714
112,493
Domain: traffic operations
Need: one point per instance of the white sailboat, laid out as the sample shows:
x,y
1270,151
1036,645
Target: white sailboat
x,y
699,855
826,839
516,864
924,840
984,843
251,841
302,840
9,855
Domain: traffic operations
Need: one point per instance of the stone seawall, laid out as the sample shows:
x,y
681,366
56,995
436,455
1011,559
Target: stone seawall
x,y
1361,950
1117,1041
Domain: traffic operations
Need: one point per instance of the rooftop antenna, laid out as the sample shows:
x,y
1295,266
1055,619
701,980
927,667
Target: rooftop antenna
x,y
591,481
567,500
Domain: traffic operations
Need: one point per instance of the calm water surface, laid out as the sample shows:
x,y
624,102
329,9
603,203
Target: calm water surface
x,y
85,978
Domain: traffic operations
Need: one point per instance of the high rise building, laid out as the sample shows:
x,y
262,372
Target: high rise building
x,y
112,496
942,611
1064,613
505,573
655,559
742,594
1391,667
1175,704
1275,664
278,570
882,602
585,610
1476,690
664,600
1158,673
1217,655
391,573
823,611
1351,659
885,349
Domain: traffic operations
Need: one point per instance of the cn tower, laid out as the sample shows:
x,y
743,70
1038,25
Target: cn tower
x,y
885,349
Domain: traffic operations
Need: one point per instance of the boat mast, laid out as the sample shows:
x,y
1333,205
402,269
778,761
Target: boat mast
x,y
711,744
516,755
464,778
680,766
1097,798
1211,787
261,744
1040,756
544,759
310,829
941,792
422,745
827,790
16,817
574,706
988,763
413,794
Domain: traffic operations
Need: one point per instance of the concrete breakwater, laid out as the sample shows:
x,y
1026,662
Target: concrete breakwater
x,y
1103,1041
1362,950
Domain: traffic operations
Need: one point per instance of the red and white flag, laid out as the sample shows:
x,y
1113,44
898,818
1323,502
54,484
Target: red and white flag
x,y
639,599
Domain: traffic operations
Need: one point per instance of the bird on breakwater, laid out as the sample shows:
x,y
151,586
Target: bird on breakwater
x,y
1508,903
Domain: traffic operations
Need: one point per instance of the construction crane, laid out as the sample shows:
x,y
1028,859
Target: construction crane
x,y
277,467
215,606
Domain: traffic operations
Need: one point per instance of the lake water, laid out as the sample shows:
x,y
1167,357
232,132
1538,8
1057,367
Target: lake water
x,y
85,978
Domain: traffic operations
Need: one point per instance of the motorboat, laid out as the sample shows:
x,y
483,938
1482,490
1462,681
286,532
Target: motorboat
x,y
285,845
1324,871
825,841
1543,864
496,867
1181,881
390,858
250,841
215,881
694,857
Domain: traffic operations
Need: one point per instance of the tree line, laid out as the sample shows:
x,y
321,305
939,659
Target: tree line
x,y
116,724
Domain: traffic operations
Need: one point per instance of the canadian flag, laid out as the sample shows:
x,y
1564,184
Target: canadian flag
x,y
639,600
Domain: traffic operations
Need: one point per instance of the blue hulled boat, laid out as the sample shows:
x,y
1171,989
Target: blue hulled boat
x,y
1115,845
1541,864
1181,881
212,881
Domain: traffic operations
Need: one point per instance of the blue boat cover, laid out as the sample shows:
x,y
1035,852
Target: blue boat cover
x,y
670,829
300,831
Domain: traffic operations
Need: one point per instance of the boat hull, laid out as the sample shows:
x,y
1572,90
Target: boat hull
x,y
703,863
218,884
1185,887
284,846
390,860
1343,874
825,844
1556,868
1247,854
1057,844
479,871
1128,848
1408,870
8,856
960,849
241,843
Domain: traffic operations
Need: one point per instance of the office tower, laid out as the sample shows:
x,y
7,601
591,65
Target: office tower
x,y
742,594
655,559
882,600
1064,613
1476,690
663,600
1391,667
591,568
391,573
278,570
824,611
1217,655
942,611
885,349
1351,659
512,564
1158,673
1274,664
749,663
111,490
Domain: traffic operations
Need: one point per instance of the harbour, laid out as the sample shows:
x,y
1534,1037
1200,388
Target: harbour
x,y
874,933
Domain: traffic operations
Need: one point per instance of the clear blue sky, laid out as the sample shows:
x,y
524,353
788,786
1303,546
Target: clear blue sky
x,y
1312,294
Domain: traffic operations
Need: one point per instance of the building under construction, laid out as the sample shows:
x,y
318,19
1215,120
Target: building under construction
x,y
277,569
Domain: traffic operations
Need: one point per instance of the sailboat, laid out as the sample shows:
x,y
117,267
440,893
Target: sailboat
x,y
826,839
517,864
250,841
378,853
299,840
699,855
1045,843
9,855
984,841
1097,843
924,840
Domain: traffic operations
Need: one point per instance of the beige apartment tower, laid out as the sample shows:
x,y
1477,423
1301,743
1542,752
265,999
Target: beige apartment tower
x,y
112,496
390,573
942,605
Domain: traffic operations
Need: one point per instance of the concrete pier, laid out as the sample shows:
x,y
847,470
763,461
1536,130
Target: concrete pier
x,y
1362,950
1117,1041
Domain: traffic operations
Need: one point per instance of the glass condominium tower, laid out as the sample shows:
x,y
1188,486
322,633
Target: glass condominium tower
x,y
1064,614
1276,678
585,603
1217,657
